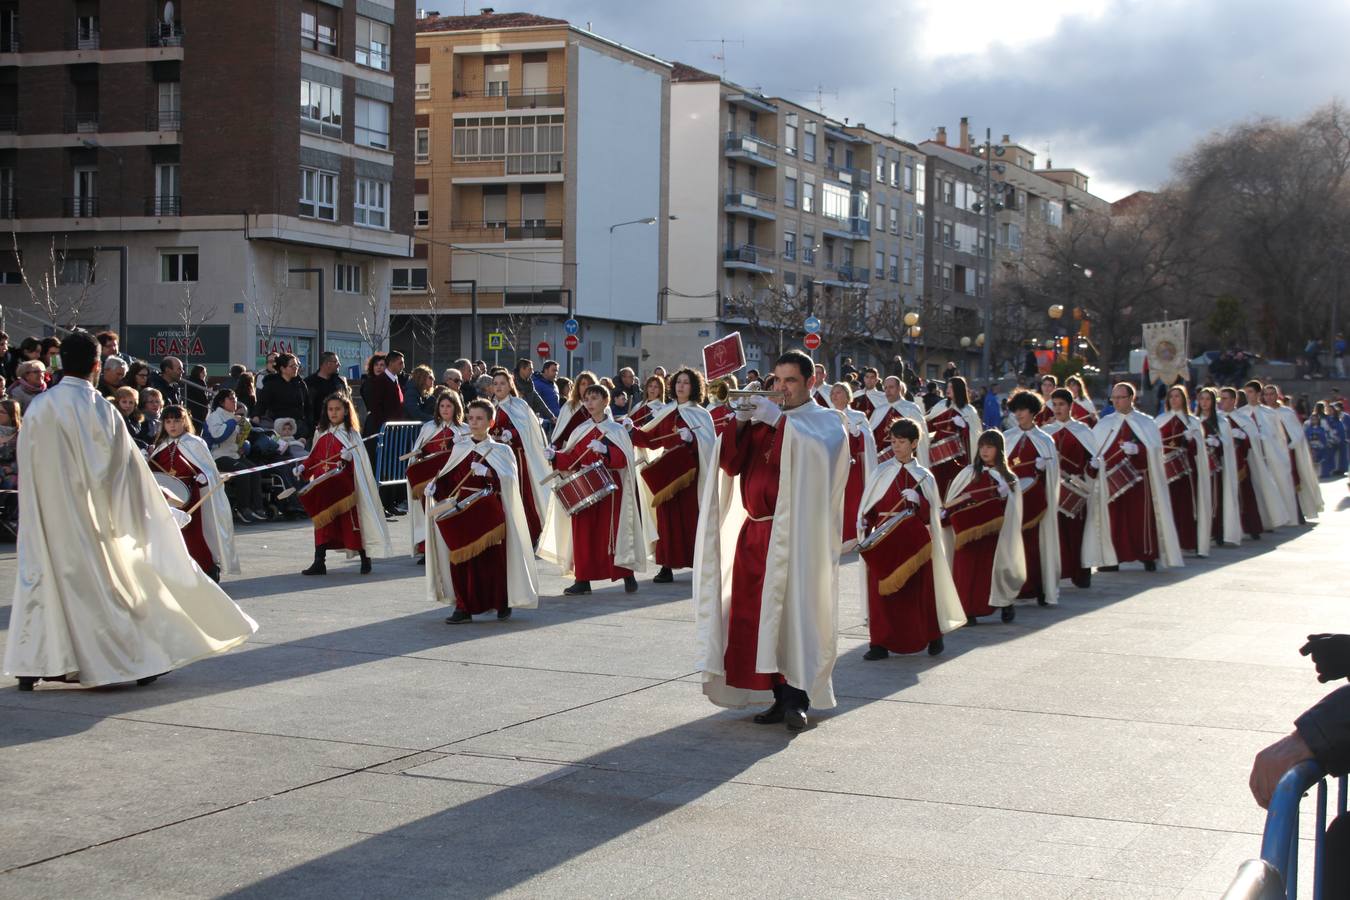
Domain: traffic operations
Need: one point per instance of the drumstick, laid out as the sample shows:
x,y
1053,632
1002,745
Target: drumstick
x,y
205,496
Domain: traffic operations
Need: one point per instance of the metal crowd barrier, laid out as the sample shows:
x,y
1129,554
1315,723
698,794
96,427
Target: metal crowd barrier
x,y
395,439
1275,874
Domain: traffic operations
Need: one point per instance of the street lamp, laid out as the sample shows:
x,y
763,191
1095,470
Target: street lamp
x,y
965,342
1056,311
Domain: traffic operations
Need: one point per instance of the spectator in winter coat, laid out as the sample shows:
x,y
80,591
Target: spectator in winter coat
x,y
324,383
284,396
30,380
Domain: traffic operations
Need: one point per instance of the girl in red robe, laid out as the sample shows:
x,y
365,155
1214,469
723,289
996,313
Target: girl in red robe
x,y
653,399
168,458
1084,410
433,443
513,418
977,510
1177,439
573,413
338,525
480,582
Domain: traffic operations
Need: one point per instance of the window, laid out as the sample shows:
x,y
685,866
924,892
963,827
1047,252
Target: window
x,y
790,135
496,75
166,190
530,144
7,194
370,203
1012,236
879,264
423,79
321,108
494,205
176,266
349,278
895,173
809,194
881,163
835,201
422,144
372,123
1054,213
907,269
76,270
918,221
85,197
948,192
86,32
318,194
409,279
534,73
918,272
319,26
809,247
894,221
879,221
920,186
946,278
372,43
909,177
789,245
790,191
170,106
533,205
895,267
809,143
421,211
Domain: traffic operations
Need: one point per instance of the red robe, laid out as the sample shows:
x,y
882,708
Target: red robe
x,y
1073,460
1046,415
1134,531
863,404
170,459
940,427
480,583
1248,510
752,451
722,414
882,433
580,417
344,531
677,518
853,488
905,621
975,530
1022,460
642,413
1182,490
525,476
1087,417
594,528
1215,479
439,441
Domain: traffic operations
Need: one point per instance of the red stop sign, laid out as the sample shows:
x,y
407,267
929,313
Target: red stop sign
x,y
543,349
571,342
812,341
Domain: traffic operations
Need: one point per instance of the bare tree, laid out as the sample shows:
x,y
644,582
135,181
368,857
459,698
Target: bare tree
x,y
265,306
372,324
62,289
190,319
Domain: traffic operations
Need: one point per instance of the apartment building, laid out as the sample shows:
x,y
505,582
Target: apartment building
x,y
157,146
541,188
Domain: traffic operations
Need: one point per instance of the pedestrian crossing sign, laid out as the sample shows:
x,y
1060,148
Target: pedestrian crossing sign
x,y
496,340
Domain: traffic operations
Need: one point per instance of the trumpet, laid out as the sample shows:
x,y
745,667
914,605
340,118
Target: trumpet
x,y
743,400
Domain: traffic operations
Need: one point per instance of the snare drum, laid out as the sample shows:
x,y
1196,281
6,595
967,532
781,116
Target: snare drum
x,y
466,536
1120,478
327,496
886,530
1073,496
585,487
175,491
1176,465
946,450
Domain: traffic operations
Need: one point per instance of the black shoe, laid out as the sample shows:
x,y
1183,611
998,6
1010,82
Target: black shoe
x,y
1256,535
26,683
578,588
630,585
317,569
504,613
149,679
875,652
1007,614
239,518
665,576
771,716
365,565
214,574
936,646
971,621
1040,599
421,560
458,617
1150,566
794,719
1083,579
1108,568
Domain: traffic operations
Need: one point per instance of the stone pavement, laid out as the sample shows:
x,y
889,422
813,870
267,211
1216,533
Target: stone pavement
x,y
360,747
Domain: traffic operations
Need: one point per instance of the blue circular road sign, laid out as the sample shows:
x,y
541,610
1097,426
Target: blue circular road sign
x,y
812,324
571,326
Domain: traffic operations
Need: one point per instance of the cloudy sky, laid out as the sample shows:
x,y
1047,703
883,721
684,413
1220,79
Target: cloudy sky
x,y
1113,87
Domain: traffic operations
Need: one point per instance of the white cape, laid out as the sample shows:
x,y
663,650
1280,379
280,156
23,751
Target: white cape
x,y
910,410
1274,446
522,580
972,429
1098,550
526,425
217,519
1228,483
369,510
799,604
950,614
856,422
105,587
1047,535
1204,500
1309,489
1010,559
417,521
1269,500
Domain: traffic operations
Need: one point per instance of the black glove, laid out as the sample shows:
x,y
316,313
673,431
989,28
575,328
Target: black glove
x,y
1330,654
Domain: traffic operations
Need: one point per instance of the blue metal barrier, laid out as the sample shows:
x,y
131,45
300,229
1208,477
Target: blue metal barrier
x,y
395,440
1279,843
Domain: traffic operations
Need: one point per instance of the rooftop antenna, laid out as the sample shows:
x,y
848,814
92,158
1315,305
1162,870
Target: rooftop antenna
x,y
895,125
820,91
722,44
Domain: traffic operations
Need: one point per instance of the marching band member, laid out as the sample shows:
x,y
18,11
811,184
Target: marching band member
x,y
1132,517
1076,446
1084,410
180,453
862,453
573,413
517,426
911,598
106,591
432,445
955,425
771,625
1260,506
894,405
652,402
1034,460
870,397
491,564
1268,434
1045,387
823,390
354,520
605,540
983,537
1184,439
682,431
1306,487
1226,523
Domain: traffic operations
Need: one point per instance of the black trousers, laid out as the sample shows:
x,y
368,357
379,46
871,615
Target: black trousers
x,y
791,697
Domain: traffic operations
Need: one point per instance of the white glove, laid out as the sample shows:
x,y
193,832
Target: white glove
x,y
1041,463
549,453
1239,434
959,422
346,455
1129,448
1190,436
1213,441
854,429
766,411
627,422
1002,487
506,435
479,469
944,513
201,478
597,447
686,435
910,494
298,470
742,415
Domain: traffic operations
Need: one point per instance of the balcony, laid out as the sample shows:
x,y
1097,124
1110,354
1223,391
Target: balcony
x,y
164,35
749,203
81,123
849,175
751,149
321,127
9,123
501,232
519,98
852,229
85,38
164,205
79,207
847,276
748,258
164,120
9,208
10,43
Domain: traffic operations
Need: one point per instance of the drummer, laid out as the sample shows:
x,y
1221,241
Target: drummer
x,y
1034,460
652,402
953,427
1048,385
1084,410
1186,465
983,536
1077,474
682,431
480,558
911,599
573,413
892,406
345,505
516,425
431,449
862,454
604,540
179,453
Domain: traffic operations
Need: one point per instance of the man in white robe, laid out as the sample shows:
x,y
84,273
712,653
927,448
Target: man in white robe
x,y
1265,494
106,592
1307,489
1267,432
893,406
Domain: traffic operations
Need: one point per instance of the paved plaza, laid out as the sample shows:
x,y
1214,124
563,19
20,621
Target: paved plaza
x,y
360,747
